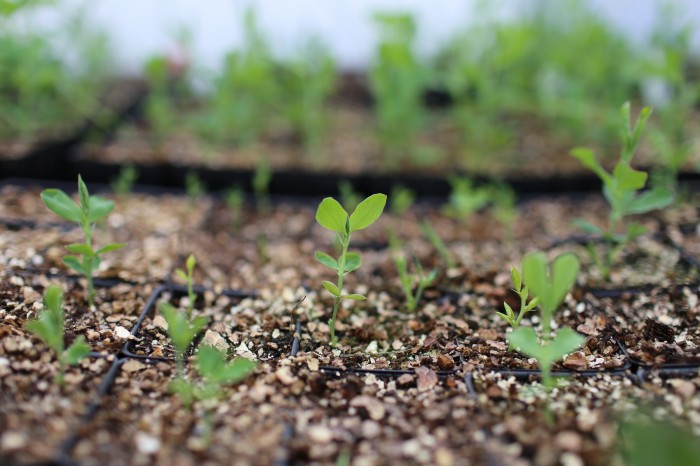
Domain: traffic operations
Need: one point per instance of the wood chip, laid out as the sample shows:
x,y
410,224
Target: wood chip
x,y
426,378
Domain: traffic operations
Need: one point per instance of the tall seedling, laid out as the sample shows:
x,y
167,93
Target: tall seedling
x,y
331,215
83,258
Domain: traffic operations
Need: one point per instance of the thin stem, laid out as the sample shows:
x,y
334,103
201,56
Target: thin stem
x,y
341,273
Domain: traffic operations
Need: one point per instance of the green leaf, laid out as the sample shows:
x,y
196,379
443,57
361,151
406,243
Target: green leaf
x,y
658,198
181,274
80,248
74,263
628,179
354,297
50,325
587,227
331,288
367,212
84,196
212,365
526,341
515,278
180,329
326,260
589,160
109,248
564,342
99,208
75,352
353,261
62,205
190,263
509,310
550,289
53,298
331,215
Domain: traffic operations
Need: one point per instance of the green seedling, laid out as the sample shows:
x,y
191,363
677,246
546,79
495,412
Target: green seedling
x,y
123,184
402,199
348,196
503,208
549,288
525,306
50,327
436,241
187,277
160,112
214,373
261,245
621,189
261,185
334,217
194,187
465,198
86,213
235,197
418,280
181,329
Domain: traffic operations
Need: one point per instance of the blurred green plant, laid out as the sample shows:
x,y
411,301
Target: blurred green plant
x,y
123,184
418,280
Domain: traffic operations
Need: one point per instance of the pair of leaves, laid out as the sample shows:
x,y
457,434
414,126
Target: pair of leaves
x,y
213,367
564,342
189,266
331,215
50,327
88,211
353,261
335,291
181,329
550,287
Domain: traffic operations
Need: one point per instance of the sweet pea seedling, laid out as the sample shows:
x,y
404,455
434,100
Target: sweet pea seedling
x,y
181,330
420,280
188,278
525,306
86,213
50,327
331,215
621,189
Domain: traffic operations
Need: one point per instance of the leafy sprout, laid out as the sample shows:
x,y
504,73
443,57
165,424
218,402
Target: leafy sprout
x,y
402,199
334,217
194,187
181,329
188,277
50,327
418,280
622,189
437,242
83,258
525,306
123,184
466,198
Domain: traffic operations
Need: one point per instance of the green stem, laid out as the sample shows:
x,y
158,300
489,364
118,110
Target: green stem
x,y
341,273
87,265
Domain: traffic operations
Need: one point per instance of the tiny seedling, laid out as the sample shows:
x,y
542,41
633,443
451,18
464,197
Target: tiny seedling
x,y
214,373
123,184
235,197
434,238
50,327
621,189
187,277
550,289
420,280
194,187
181,329
334,217
525,306
465,198
261,184
402,199
86,213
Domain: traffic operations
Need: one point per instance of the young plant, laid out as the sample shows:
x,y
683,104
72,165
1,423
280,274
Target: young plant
x,y
181,329
465,198
214,372
549,287
420,280
194,187
235,197
434,238
50,327
187,277
402,199
123,184
525,306
261,184
331,215
621,189
86,213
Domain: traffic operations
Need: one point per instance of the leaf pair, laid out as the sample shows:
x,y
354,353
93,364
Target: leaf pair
x,y
331,215
88,211
525,306
335,291
550,286
181,329
353,261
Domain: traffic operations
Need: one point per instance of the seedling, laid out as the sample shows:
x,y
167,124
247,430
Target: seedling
x,y
348,196
621,190
419,279
187,277
434,238
123,184
50,327
549,289
181,329
214,373
90,210
235,196
261,184
465,198
334,217
194,187
402,199
525,306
